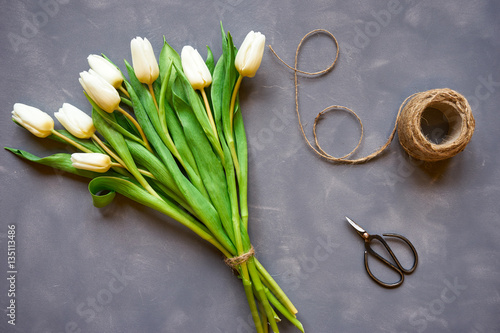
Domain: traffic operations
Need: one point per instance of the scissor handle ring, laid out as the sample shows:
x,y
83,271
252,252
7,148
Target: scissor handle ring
x,y
382,283
398,268
415,254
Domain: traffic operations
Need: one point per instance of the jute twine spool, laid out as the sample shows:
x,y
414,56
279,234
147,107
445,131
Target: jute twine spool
x,y
450,103
457,111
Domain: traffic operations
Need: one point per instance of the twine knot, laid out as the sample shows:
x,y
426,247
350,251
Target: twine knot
x,y
234,262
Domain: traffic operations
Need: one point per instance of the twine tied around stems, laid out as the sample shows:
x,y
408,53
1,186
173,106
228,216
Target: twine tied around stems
x,y
234,262
454,107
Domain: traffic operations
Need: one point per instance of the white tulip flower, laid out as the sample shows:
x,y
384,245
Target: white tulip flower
x,y
106,70
144,61
34,120
75,121
195,68
91,161
100,91
250,54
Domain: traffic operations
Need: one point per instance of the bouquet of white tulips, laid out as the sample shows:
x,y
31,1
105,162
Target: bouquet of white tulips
x,y
171,137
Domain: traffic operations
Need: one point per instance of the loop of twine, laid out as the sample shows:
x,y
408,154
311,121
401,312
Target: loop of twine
x,y
453,105
234,262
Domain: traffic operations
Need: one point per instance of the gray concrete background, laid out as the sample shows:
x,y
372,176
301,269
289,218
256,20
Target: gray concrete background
x,y
154,276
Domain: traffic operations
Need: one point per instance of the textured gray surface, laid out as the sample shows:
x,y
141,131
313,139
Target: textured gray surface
x,y
155,276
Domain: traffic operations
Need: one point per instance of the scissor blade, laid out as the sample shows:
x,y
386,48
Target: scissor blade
x,y
355,225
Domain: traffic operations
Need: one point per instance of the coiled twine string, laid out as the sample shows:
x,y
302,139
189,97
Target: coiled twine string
x,y
453,105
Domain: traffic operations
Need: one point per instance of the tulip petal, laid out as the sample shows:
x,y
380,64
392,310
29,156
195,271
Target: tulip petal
x,y
100,91
96,162
77,122
144,60
149,53
34,120
106,70
250,54
195,68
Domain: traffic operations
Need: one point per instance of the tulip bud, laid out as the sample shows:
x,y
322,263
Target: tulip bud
x,y
250,54
34,120
106,70
101,92
195,68
75,121
144,61
91,161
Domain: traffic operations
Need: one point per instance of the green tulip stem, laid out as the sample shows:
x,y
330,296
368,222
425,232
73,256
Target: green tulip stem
x,y
137,174
166,138
144,172
71,142
247,285
152,92
276,289
231,139
126,101
163,120
233,100
109,151
260,293
136,124
209,112
124,91
265,326
283,310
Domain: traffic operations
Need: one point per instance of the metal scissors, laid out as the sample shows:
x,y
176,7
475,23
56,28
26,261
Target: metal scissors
x,y
398,268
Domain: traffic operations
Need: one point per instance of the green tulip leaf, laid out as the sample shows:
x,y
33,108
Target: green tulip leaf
x,y
210,60
61,161
200,112
117,141
168,55
144,96
230,77
150,162
199,203
102,198
242,153
152,113
155,138
209,165
216,93
175,130
103,190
